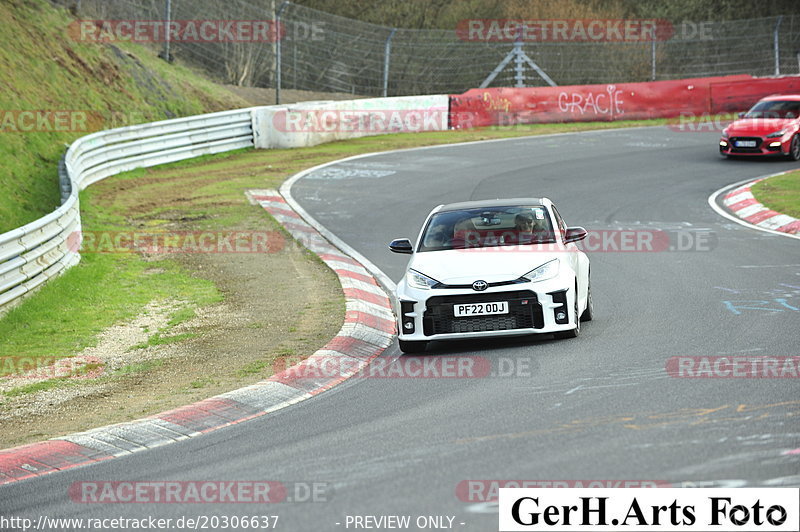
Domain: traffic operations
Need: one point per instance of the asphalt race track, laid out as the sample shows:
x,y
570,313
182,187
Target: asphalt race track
x,y
600,406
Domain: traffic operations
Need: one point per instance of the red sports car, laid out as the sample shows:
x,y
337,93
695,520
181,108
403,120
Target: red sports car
x,y
771,127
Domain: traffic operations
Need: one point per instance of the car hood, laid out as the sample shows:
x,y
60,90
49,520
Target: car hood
x,y
464,266
757,126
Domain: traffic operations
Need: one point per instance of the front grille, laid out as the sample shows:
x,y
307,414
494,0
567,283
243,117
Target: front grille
x,y
735,149
489,323
440,286
524,312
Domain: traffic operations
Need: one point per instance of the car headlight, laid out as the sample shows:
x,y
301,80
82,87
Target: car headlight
x,y
415,279
725,133
548,270
776,134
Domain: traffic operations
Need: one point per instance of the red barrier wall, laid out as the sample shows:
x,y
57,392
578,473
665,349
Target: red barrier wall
x,y
622,101
741,95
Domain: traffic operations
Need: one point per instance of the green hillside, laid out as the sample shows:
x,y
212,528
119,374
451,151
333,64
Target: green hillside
x,y
42,68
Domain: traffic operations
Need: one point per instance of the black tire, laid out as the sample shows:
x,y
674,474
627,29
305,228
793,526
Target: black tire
x,y
794,148
588,314
412,346
572,333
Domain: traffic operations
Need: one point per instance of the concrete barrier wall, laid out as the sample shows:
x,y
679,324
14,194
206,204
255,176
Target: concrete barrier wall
x,y
312,123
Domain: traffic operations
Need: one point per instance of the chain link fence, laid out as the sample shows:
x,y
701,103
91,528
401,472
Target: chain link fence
x,y
322,52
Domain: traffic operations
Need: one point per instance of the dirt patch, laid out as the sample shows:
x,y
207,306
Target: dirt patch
x,y
278,304
115,349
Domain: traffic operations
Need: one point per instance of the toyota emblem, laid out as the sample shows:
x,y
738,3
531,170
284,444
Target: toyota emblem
x,y
480,286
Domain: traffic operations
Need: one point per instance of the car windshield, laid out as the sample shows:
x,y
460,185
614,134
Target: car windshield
x,y
489,227
775,109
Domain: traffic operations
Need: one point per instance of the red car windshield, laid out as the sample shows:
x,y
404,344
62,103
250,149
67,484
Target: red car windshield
x,y
481,228
775,109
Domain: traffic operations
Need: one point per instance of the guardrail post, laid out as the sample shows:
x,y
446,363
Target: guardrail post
x,y
64,182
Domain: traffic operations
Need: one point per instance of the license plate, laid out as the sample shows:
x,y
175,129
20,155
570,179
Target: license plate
x,y
480,309
745,143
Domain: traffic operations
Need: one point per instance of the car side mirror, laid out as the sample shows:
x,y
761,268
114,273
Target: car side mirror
x,y
741,115
401,245
574,234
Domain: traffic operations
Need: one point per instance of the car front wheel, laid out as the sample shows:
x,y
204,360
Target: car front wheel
x,y
407,346
794,148
589,312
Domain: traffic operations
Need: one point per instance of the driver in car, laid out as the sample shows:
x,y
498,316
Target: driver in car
x,y
523,230
526,230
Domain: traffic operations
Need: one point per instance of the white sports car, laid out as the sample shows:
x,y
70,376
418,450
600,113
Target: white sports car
x,y
492,268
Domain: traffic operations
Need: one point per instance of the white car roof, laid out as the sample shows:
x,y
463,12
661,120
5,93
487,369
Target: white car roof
x,y
480,204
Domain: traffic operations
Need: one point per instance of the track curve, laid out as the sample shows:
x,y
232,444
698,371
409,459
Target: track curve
x,y
597,407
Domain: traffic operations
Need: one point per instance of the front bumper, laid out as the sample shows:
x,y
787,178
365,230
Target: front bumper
x,y
425,315
764,146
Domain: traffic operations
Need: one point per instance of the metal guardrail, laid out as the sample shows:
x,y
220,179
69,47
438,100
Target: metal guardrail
x,y
34,253
40,250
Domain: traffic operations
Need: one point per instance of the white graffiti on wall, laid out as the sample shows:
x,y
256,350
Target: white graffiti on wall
x,y
600,103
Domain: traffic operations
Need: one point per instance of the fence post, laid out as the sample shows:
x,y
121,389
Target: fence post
x,y
278,39
776,45
386,53
653,60
519,67
167,19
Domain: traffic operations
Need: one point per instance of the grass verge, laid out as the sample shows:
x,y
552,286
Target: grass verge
x,y
781,193
101,86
